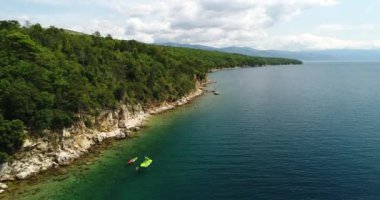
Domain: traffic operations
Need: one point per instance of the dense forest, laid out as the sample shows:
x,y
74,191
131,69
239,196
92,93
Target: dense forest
x,y
50,76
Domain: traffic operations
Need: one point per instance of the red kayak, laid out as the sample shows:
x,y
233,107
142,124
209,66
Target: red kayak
x,y
133,160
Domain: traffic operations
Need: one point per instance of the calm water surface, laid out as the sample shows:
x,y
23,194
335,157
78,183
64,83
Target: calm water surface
x,y
278,132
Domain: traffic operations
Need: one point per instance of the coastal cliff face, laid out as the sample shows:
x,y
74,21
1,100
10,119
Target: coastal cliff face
x,y
41,154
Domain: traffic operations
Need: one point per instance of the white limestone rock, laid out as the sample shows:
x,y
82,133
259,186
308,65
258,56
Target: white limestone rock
x,y
3,186
43,146
64,158
121,135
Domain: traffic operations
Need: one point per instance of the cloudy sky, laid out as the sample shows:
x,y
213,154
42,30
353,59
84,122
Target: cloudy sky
x,y
261,24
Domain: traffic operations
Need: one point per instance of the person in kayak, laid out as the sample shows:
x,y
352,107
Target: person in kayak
x,y
132,161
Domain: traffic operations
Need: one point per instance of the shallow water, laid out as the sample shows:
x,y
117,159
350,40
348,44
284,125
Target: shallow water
x,y
277,132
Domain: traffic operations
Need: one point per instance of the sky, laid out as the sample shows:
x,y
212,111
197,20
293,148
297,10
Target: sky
x,y
262,24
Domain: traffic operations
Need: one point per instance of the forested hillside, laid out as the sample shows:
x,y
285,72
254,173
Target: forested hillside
x,y
49,77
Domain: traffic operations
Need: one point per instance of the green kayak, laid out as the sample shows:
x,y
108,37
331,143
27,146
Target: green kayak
x,y
146,162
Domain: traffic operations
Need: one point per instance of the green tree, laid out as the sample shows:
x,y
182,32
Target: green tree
x,y
11,137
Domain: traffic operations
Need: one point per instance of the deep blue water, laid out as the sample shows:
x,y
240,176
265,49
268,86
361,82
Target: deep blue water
x,y
278,132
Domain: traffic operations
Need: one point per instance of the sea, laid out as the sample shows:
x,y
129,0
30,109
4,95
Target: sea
x,y
308,131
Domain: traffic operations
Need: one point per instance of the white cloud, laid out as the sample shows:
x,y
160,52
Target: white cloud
x,y
315,42
359,31
209,22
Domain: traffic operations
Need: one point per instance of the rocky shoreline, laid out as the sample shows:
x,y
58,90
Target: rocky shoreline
x,y
39,155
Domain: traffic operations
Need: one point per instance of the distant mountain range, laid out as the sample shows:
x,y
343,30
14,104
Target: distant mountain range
x,y
310,55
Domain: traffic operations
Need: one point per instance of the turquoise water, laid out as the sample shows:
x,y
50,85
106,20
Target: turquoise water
x,y
277,132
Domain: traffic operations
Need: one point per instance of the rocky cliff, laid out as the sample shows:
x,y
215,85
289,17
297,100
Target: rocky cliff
x,y
38,155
